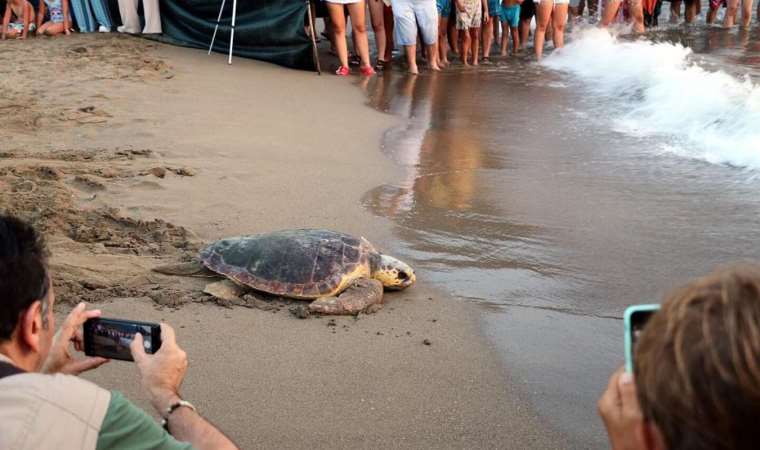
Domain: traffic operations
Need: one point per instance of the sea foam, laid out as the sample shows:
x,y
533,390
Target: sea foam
x,y
659,89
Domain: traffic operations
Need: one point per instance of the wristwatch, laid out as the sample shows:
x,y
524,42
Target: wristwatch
x,y
171,409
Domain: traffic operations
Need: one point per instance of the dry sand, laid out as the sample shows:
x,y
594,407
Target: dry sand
x,y
131,154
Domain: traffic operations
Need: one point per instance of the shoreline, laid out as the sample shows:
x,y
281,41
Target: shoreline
x,y
290,383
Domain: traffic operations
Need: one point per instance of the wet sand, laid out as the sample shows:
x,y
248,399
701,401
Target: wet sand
x,y
131,154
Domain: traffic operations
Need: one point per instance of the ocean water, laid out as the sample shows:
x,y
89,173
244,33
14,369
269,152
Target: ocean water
x,y
556,194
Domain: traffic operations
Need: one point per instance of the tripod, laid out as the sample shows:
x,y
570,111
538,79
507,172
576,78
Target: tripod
x,y
232,31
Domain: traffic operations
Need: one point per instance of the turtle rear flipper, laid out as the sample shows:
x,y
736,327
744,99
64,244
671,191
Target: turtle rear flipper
x,y
190,269
362,295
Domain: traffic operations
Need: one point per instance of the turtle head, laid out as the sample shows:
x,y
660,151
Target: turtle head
x,y
394,274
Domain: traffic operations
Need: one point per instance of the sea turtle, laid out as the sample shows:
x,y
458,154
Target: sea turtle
x,y
341,273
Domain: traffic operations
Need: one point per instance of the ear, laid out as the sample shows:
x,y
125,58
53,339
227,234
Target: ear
x,y
650,436
30,326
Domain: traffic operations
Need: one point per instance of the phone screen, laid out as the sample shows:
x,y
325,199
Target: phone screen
x,y
636,318
111,338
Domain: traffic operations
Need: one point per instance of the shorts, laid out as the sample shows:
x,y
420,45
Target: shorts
x,y
715,4
511,15
494,8
343,2
18,27
527,10
574,3
556,2
471,17
408,15
444,7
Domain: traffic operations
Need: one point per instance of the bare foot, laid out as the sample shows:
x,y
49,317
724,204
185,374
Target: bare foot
x,y
435,67
413,70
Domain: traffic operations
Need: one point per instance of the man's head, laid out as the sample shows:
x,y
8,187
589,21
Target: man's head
x,y
697,365
26,297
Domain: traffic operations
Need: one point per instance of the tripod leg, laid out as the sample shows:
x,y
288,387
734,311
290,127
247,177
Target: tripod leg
x,y
218,19
313,27
232,33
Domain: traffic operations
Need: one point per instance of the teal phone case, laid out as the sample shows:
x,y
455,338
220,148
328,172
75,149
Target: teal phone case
x,y
630,311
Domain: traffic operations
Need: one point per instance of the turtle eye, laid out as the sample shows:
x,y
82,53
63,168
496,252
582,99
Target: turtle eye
x,y
402,275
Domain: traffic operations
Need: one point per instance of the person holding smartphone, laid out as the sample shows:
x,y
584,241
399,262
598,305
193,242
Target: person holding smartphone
x,y
695,379
44,405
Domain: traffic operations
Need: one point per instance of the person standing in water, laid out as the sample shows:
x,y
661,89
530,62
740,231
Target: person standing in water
x,y
554,12
491,28
470,14
376,17
732,10
510,21
444,10
527,11
635,9
411,15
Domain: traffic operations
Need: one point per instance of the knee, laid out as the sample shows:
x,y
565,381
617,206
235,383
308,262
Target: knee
x,y
559,27
360,28
338,29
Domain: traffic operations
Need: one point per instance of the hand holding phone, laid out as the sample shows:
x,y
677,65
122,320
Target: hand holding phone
x,y
111,338
635,318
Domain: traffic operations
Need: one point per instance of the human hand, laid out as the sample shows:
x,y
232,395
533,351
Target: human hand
x,y
59,359
460,6
621,413
486,17
161,373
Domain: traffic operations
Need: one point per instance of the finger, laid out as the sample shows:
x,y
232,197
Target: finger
x,y
167,335
83,365
69,325
630,408
609,403
137,349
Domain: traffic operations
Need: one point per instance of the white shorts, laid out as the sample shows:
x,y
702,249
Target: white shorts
x,y
556,2
408,14
343,2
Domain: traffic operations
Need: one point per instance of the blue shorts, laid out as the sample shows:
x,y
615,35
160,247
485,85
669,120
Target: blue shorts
x,y
511,15
444,7
494,8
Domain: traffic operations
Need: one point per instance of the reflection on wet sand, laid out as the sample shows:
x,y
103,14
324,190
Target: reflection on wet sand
x,y
442,204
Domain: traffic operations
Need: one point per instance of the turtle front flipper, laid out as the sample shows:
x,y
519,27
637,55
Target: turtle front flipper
x,y
362,295
189,269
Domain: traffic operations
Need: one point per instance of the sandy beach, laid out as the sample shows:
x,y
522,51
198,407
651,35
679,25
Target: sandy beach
x,y
130,154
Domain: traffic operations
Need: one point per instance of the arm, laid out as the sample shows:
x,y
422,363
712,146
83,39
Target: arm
x,y
6,19
484,5
40,15
459,5
66,17
161,375
28,17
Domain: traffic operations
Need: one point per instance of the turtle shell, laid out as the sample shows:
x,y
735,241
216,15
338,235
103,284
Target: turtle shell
x,y
303,264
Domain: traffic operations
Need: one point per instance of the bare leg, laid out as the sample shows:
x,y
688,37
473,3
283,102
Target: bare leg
x,y
432,52
675,11
711,13
358,22
475,36
609,12
488,33
411,58
515,40
443,45
388,22
378,26
465,50
690,11
338,21
504,39
543,15
559,19
747,13
524,32
53,29
637,15
730,17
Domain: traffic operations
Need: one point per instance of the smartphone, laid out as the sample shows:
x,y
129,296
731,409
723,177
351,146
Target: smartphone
x,y
635,317
110,338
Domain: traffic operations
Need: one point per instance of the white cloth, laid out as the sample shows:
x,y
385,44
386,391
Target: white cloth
x,y
343,2
556,2
408,14
131,21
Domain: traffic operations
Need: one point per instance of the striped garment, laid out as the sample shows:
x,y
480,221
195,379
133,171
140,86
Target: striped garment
x,y
83,13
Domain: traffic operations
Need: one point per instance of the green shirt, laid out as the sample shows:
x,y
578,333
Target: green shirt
x,y
127,426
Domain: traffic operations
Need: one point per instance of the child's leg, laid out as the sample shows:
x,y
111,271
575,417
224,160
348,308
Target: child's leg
x,y
388,22
465,49
711,13
488,32
475,37
504,38
747,13
338,21
53,29
358,24
690,11
515,39
675,11
443,48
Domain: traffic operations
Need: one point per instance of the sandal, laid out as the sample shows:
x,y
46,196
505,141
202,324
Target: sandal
x,y
354,60
367,71
343,71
